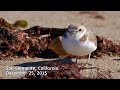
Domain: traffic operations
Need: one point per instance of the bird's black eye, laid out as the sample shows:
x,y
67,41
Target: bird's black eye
x,y
80,29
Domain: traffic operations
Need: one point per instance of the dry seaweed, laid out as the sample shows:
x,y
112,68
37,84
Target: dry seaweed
x,y
93,14
103,74
5,24
20,23
107,47
17,43
65,71
37,31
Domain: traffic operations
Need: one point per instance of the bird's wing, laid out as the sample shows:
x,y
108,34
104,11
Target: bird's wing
x,y
56,46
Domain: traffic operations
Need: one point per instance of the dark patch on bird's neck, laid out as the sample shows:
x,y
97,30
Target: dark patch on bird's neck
x,y
84,38
65,36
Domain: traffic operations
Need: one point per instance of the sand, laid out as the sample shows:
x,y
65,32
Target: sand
x,y
108,28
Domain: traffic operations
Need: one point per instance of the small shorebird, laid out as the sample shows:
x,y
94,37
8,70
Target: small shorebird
x,y
76,41
79,41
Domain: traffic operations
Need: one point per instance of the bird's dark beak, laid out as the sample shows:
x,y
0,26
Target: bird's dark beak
x,y
72,32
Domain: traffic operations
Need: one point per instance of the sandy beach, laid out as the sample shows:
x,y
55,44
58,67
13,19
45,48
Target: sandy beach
x,y
109,28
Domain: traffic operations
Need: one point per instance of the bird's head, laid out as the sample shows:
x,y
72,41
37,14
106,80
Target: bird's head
x,y
75,31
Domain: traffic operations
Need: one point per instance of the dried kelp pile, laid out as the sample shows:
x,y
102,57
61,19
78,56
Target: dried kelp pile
x,y
107,47
65,71
93,14
33,42
16,43
102,74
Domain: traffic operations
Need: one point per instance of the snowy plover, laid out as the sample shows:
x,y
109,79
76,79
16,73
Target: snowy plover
x,y
79,41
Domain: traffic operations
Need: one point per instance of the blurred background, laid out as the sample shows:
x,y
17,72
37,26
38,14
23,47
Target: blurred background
x,y
104,23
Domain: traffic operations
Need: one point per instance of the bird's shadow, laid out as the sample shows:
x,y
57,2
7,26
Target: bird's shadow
x,y
35,64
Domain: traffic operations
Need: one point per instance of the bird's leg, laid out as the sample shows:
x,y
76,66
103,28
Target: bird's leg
x,y
89,63
89,60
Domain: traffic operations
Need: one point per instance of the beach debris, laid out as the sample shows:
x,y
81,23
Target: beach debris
x,y
20,23
63,71
93,14
99,17
103,74
37,31
18,43
88,12
107,47
5,24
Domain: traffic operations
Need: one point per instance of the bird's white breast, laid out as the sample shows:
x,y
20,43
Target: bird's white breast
x,y
77,48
